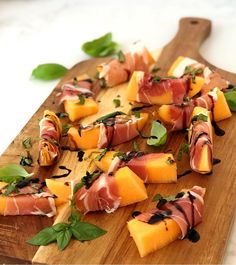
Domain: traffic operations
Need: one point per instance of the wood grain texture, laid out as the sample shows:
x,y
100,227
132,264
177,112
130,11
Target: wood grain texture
x,y
116,247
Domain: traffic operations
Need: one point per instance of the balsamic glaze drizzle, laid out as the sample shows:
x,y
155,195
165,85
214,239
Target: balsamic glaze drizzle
x,y
62,175
217,129
188,171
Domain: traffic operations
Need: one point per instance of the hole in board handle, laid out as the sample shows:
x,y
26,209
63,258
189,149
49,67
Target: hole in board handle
x,y
194,22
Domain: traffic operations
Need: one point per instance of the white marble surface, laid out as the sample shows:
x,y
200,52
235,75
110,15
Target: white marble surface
x,y
39,31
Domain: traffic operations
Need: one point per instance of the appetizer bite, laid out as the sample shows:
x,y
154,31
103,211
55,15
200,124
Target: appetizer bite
x,y
77,97
119,70
172,219
151,168
50,135
201,141
112,129
100,191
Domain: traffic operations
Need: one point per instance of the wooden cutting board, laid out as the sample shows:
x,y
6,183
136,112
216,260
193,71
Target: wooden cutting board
x,y
116,247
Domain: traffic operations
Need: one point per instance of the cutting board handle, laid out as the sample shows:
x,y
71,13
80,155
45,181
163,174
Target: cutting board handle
x,y
192,32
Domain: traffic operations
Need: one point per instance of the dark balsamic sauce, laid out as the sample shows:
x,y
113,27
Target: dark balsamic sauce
x,y
217,129
216,161
80,155
135,213
62,175
184,173
141,107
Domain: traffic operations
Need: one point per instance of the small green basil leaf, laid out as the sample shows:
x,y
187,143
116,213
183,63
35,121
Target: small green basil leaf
x,y
27,143
231,99
137,113
116,102
74,217
60,226
81,99
84,231
44,237
101,155
121,57
200,117
158,134
135,147
100,47
13,172
63,238
157,197
49,71
183,149
10,188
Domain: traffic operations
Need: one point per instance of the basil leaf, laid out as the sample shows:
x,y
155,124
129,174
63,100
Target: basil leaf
x,y
183,149
63,238
81,99
155,69
60,226
170,161
116,102
157,197
231,99
121,56
10,188
101,155
66,127
158,134
84,231
200,117
27,143
62,115
167,198
137,113
100,47
74,217
110,115
44,237
156,79
135,146
49,71
13,172
26,160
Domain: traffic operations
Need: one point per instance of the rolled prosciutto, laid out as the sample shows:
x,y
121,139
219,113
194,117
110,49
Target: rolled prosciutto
x,y
50,134
200,141
119,70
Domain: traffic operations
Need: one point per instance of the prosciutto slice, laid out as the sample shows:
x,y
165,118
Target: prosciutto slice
x,y
149,89
101,195
185,211
50,134
116,72
30,204
72,89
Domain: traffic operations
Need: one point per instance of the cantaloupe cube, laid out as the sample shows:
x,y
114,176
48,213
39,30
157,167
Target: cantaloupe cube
x,y
221,109
151,237
196,86
164,113
77,111
174,65
139,124
3,203
162,169
106,161
87,140
205,157
133,86
61,189
131,188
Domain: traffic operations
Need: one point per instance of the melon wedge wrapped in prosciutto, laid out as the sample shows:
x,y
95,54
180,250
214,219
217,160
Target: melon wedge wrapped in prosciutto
x,y
78,97
108,192
110,130
171,220
146,88
178,116
151,168
201,141
118,71
205,78
50,134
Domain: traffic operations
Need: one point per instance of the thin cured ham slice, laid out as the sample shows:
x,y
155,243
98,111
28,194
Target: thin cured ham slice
x,y
200,142
72,89
30,204
101,195
186,211
116,72
50,134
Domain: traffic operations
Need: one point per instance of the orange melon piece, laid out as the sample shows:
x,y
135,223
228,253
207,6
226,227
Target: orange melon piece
x,y
3,203
140,122
87,140
164,114
151,237
161,171
174,65
132,88
195,87
105,162
60,189
131,188
148,56
77,111
221,109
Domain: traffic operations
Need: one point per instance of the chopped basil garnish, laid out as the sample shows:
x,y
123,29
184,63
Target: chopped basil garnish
x,y
121,57
155,69
200,117
170,161
62,115
116,102
110,115
156,79
137,113
49,71
66,127
101,155
87,180
158,134
135,147
100,47
184,149
26,160
13,173
81,99
27,143
102,83
189,70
